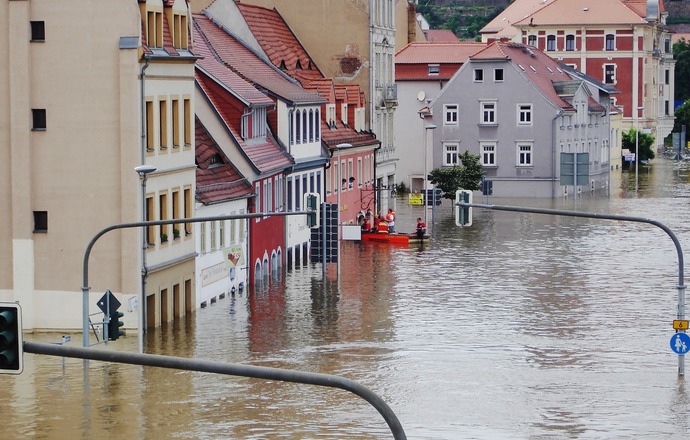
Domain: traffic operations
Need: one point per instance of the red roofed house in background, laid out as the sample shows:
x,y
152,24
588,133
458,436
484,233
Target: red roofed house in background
x,y
421,72
520,111
622,43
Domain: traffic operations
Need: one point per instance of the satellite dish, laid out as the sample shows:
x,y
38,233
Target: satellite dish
x,y
421,95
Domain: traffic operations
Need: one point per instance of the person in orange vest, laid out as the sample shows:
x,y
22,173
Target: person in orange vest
x,y
390,219
382,227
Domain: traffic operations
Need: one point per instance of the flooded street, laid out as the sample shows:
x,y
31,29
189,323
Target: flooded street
x,y
523,326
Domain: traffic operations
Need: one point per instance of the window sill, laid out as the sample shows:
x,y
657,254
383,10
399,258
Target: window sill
x,y
488,124
39,129
489,166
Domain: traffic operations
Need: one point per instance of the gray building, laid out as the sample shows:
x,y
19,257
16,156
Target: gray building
x,y
519,110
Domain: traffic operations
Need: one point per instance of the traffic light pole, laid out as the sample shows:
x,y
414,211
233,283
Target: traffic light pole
x,y
85,286
666,229
284,375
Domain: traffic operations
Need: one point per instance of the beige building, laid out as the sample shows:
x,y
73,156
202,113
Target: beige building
x,y
354,42
91,92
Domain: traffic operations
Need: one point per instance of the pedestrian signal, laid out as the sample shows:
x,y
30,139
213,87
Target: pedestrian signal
x,y
312,203
463,214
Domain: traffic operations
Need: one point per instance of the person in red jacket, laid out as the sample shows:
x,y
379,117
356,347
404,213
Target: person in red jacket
x,y
421,228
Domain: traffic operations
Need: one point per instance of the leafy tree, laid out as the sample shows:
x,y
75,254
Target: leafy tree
x,y
645,143
681,53
682,117
466,176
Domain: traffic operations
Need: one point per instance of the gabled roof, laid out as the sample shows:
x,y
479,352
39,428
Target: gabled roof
x,y
438,52
437,35
264,155
502,25
583,76
217,180
281,45
249,65
583,12
540,69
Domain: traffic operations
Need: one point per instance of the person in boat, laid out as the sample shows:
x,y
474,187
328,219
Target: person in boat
x,y
377,222
390,219
421,228
382,226
366,225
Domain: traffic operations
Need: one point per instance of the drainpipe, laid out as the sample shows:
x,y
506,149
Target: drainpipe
x,y
377,193
553,153
143,110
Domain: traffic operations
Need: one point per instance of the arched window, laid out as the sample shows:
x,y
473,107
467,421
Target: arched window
x,y
304,126
551,42
317,125
570,42
298,127
610,42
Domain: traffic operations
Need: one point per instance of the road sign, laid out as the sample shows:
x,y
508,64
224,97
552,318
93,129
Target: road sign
x,y
680,324
103,303
680,343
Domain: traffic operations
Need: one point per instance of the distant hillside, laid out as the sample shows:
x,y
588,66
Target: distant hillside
x,y
467,17
464,17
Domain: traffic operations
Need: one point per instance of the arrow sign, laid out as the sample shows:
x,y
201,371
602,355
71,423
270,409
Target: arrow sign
x,y
680,343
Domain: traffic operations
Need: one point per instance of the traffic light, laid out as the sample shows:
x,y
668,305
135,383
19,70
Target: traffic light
x,y
463,214
312,203
114,325
11,344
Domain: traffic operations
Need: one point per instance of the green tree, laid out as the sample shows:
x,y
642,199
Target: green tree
x,y
681,53
645,143
682,118
468,176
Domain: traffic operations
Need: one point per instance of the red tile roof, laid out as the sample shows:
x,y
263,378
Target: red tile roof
x,y
279,42
540,69
437,52
249,65
439,35
168,46
217,180
583,12
212,66
265,155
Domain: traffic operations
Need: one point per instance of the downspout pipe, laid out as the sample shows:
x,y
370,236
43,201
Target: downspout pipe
x,y
553,152
143,109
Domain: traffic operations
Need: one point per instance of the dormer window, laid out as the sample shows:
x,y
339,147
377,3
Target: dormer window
x,y
180,31
254,124
215,161
434,69
154,29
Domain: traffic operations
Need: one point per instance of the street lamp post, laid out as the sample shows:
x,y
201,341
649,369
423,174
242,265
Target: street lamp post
x,y
340,189
637,144
143,171
427,132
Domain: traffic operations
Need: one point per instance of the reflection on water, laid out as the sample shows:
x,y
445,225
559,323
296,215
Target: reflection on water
x,y
522,326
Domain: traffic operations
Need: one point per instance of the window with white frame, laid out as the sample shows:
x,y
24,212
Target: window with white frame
x,y
478,75
524,114
551,43
488,112
450,154
610,42
498,75
570,42
609,73
434,69
524,154
532,40
488,150
450,112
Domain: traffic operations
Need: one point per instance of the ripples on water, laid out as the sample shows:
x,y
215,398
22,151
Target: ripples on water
x,y
522,326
